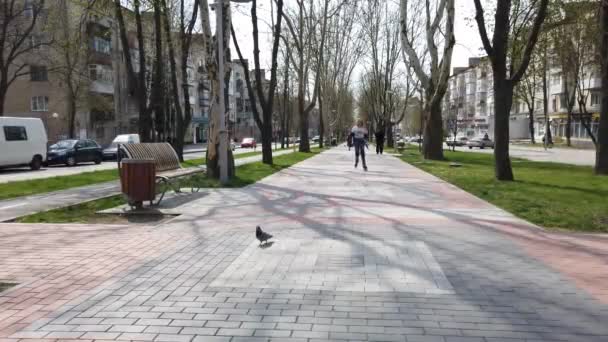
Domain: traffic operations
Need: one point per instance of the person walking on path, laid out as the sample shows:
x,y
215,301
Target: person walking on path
x,y
359,135
349,141
379,141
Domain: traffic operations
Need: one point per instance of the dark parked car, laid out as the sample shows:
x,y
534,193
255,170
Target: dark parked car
x,y
72,152
248,143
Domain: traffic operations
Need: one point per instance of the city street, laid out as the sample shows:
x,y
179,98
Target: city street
x,y
555,155
11,175
392,254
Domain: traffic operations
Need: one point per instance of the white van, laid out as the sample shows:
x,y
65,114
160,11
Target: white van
x,y
23,142
111,151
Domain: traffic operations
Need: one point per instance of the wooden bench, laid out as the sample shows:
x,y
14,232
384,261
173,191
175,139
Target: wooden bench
x,y
166,162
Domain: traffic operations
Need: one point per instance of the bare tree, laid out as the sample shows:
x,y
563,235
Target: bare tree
x,y
258,94
434,71
509,63
21,27
212,68
601,154
381,31
342,53
303,24
136,71
527,90
68,55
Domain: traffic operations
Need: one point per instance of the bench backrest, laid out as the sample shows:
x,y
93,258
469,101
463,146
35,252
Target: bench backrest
x,y
165,157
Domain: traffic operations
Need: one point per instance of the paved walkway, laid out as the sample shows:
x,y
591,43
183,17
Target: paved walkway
x,y
22,206
393,254
555,155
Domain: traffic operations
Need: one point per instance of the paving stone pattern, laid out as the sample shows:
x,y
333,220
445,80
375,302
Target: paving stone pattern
x,y
393,254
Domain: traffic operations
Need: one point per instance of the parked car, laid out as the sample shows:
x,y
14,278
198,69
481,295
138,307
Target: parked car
x,y
22,142
111,151
316,139
460,141
481,142
72,152
248,143
416,140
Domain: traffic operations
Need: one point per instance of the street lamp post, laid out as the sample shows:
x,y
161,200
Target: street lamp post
x,y
223,153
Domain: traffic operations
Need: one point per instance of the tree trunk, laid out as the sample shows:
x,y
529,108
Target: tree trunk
x,y
304,144
531,125
267,143
71,114
180,129
568,128
432,144
503,98
3,90
601,153
321,123
390,138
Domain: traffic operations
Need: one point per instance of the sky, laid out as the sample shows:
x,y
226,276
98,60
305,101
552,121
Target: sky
x,y
467,45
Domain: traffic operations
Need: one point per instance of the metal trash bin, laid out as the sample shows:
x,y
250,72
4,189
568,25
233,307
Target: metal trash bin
x,y
138,181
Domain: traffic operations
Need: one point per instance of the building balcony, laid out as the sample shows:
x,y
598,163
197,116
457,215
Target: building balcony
x,y
102,87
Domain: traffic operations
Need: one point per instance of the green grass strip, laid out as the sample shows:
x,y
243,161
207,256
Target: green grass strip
x,y
245,175
39,186
551,195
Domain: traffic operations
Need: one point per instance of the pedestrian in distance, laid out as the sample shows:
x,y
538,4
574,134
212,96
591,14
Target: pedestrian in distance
x,y
359,136
349,141
380,141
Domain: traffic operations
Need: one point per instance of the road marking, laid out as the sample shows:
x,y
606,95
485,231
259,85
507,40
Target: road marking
x,y
14,205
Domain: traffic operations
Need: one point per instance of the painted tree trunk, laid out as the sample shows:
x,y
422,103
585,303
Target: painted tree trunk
x,y
503,99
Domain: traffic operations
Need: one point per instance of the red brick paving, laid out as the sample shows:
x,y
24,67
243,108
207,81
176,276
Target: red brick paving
x,y
55,264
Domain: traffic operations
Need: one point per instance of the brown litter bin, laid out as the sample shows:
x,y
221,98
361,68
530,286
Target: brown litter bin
x,y
137,179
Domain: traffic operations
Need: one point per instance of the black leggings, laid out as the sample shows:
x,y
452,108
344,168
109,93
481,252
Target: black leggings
x,y
360,150
380,147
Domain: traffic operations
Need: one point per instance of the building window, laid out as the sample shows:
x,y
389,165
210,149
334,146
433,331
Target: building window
x,y
15,133
40,103
101,45
101,73
595,99
28,9
554,103
38,73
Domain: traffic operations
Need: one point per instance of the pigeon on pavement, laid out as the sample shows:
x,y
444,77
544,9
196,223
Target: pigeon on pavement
x,y
262,235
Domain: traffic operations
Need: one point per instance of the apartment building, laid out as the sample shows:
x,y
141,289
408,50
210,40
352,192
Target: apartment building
x,y
242,122
589,90
105,105
469,102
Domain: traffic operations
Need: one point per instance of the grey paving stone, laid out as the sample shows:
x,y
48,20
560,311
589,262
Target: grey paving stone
x,y
211,339
235,332
272,333
222,324
137,337
156,329
173,338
